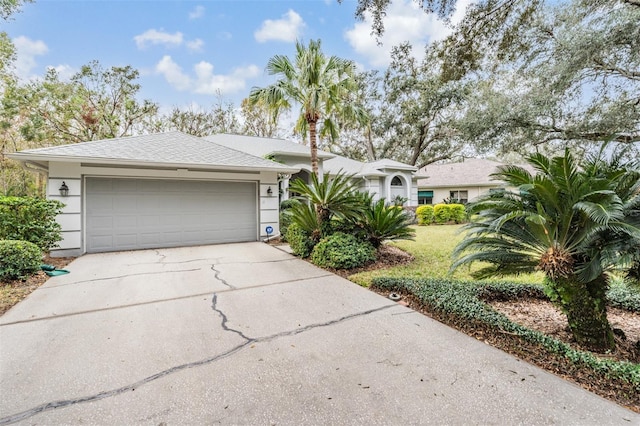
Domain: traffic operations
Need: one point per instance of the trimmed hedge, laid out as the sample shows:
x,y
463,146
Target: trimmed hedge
x,y
342,251
462,301
441,213
424,213
30,219
458,213
445,213
18,259
300,242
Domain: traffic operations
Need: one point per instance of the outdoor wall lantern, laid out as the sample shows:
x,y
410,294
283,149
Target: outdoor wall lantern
x,y
64,189
269,192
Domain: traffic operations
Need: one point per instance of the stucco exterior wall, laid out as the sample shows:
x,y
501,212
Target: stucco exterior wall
x,y
409,190
72,217
439,194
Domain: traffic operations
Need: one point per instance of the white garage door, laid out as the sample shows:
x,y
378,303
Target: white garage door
x,y
125,214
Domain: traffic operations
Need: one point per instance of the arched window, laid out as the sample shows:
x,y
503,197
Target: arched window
x,y
396,181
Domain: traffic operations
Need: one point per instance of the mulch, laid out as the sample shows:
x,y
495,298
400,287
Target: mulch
x,y
14,291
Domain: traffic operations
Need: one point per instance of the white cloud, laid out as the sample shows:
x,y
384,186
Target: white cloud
x,y
153,37
197,12
205,81
26,52
195,45
209,83
64,71
288,28
224,35
173,73
404,21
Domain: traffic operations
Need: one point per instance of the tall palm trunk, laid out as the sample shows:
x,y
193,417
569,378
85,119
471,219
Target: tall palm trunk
x,y
585,307
314,146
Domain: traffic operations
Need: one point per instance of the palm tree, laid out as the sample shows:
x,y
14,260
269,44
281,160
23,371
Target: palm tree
x,y
319,84
561,221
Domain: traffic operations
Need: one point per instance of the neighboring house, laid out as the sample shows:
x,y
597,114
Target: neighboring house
x,y
172,189
383,178
463,181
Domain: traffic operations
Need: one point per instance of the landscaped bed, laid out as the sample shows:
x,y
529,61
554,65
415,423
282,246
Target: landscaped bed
x,y
467,307
14,291
513,315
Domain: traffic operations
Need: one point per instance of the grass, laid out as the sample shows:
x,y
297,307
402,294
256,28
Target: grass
x,y
432,250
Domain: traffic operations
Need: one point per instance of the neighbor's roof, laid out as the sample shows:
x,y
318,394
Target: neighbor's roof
x,y
168,149
470,172
262,147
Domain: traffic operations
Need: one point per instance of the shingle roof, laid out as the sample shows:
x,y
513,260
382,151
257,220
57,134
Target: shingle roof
x,y
170,148
332,163
346,165
470,172
264,146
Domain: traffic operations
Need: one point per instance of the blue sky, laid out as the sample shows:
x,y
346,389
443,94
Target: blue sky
x,y
188,51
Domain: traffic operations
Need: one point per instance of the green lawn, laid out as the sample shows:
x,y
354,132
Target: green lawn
x,y
432,249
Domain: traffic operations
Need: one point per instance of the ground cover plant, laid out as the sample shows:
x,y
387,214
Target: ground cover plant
x,y
465,305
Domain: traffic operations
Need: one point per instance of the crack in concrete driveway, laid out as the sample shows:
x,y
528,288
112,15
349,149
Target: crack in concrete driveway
x,y
255,336
133,386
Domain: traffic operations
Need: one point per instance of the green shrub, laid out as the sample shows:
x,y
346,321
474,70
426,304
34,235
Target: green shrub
x,y
18,259
424,214
30,219
460,301
299,240
457,213
287,204
342,251
441,213
286,216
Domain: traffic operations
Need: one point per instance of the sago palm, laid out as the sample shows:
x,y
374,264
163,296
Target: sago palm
x,y
328,198
316,83
380,222
556,221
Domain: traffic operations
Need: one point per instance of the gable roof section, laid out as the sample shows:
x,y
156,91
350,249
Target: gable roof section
x,y
332,163
262,147
470,172
160,149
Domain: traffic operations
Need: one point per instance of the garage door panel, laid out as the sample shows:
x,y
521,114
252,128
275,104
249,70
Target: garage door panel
x,y
146,213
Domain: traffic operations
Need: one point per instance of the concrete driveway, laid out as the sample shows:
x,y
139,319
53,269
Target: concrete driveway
x,y
248,334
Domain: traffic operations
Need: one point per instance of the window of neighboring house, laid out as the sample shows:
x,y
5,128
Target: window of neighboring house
x,y
459,196
425,197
